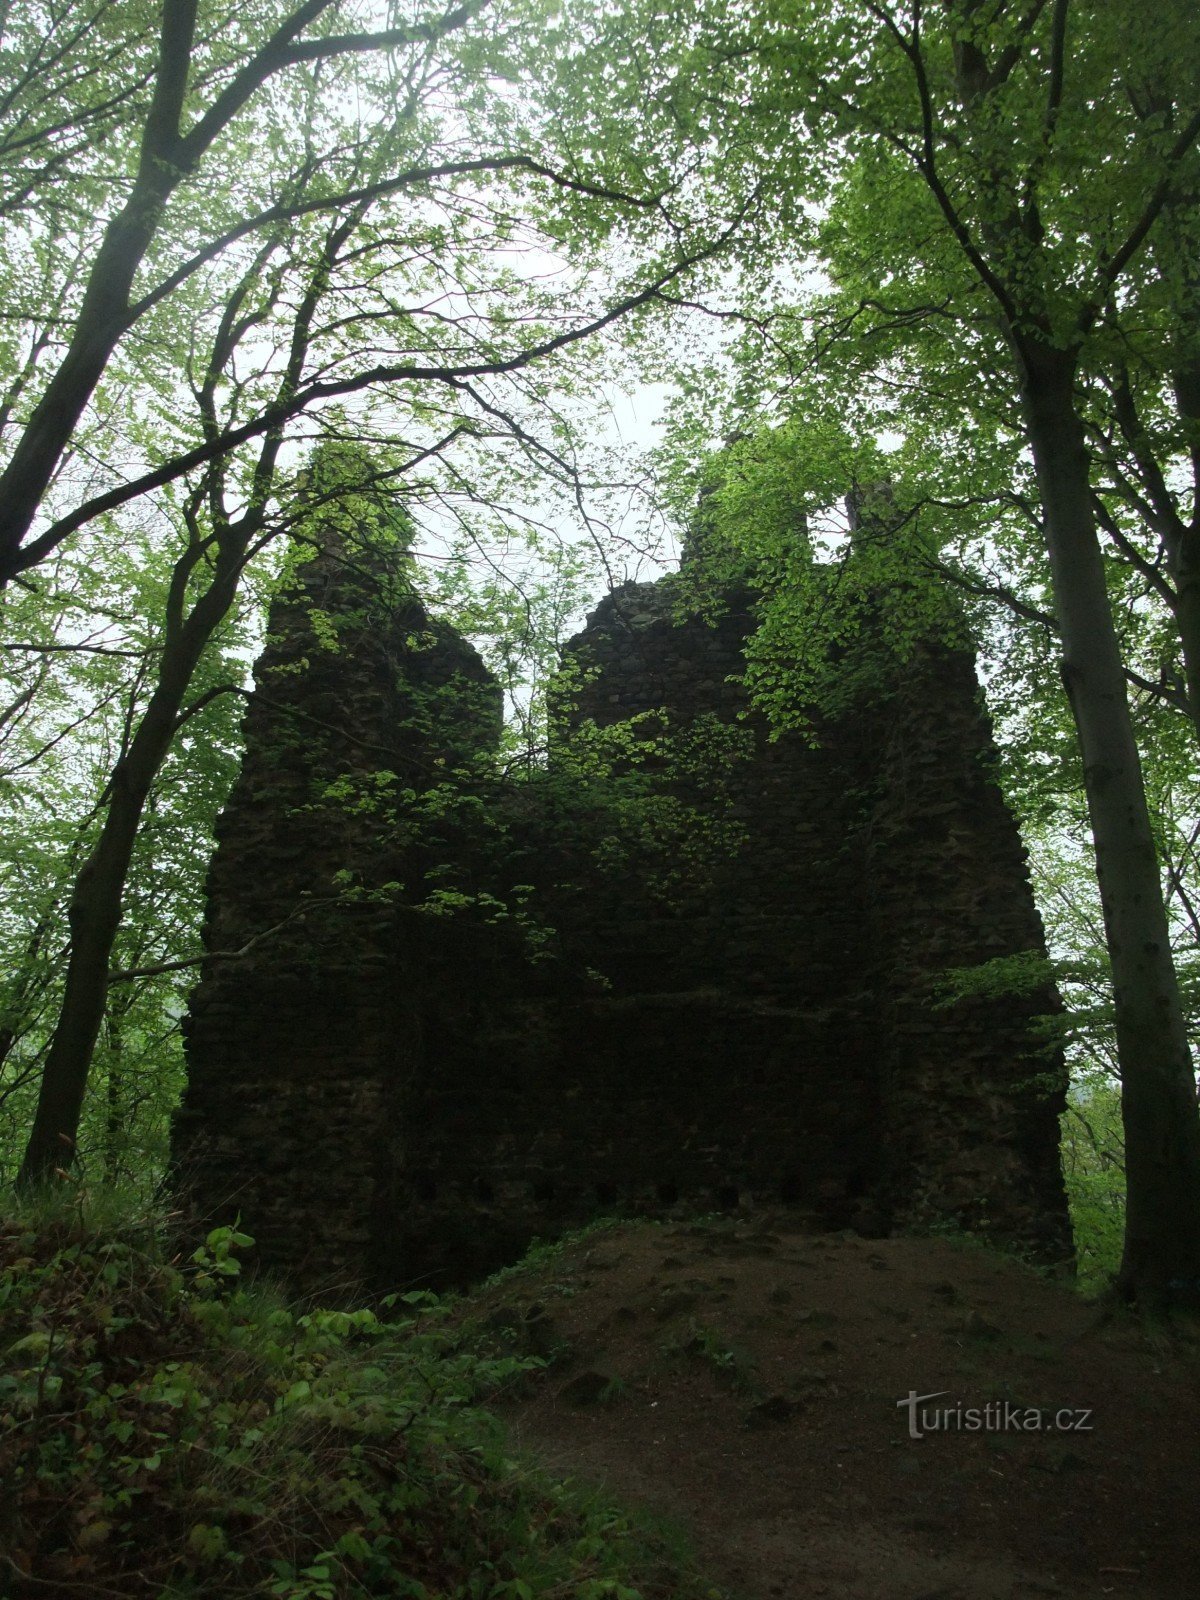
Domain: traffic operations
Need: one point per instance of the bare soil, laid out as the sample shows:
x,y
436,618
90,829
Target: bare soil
x,y
741,1379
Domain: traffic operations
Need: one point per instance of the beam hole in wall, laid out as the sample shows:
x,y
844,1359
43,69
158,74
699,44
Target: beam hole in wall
x,y
483,1191
541,1191
790,1190
667,1193
727,1197
606,1194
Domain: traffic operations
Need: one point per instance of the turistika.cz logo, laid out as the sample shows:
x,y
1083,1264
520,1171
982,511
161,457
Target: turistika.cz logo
x,y
997,1416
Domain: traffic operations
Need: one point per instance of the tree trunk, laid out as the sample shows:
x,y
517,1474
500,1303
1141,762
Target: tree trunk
x,y
1162,1125
1185,570
104,312
1184,554
94,914
114,1101
102,321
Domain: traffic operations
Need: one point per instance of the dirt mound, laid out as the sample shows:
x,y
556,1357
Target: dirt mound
x,y
743,1380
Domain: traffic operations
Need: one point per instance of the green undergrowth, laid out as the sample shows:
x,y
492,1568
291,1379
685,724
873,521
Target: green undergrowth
x,y
544,1254
166,1430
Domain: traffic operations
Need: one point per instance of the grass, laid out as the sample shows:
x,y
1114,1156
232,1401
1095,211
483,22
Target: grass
x,y
545,1252
167,1431
705,1344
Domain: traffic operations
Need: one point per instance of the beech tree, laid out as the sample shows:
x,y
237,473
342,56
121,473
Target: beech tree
x,y
228,127
1017,174
236,228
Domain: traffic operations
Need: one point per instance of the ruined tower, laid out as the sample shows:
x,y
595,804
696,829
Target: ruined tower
x,y
738,993
297,1046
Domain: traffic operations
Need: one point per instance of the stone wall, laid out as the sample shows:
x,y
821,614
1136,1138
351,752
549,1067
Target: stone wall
x,y
877,855
391,1096
969,1092
299,1051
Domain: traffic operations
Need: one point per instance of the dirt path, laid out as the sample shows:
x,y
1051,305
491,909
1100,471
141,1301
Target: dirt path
x,y
743,1380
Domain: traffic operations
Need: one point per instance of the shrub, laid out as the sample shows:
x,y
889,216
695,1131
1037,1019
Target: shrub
x,y
166,1430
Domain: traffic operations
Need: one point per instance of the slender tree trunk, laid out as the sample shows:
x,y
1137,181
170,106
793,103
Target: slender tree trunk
x,y
1185,551
102,321
114,1100
1162,1126
94,914
1185,570
95,910
104,312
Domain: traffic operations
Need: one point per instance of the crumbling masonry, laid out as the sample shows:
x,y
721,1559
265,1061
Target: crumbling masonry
x,y
476,1009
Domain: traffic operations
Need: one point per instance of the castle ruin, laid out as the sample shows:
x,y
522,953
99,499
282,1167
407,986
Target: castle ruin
x,y
682,963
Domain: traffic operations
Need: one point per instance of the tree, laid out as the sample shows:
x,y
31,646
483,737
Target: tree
x,y
1012,172
228,128
315,223
89,650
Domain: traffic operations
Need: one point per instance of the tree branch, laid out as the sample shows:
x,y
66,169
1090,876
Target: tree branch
x,y
1137,234
926,164
284,49
36,550
129,974
206,699
377,191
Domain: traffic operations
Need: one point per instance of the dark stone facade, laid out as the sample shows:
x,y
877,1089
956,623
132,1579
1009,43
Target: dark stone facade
x,y
739,999
298,1049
